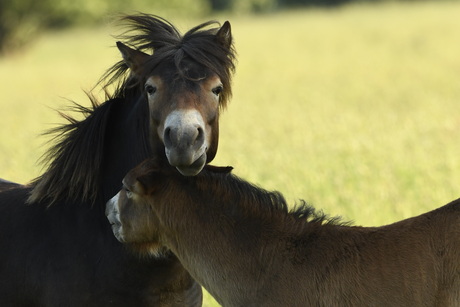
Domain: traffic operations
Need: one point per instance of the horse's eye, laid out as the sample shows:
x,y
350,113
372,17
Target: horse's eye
x,y
150,89
217,90
124,187
128,192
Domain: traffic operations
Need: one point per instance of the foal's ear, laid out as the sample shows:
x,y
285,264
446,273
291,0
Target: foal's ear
x,y
150,182
218,169
224,35
135,59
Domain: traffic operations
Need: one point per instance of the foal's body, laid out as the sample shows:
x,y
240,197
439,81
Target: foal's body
x,y
246,249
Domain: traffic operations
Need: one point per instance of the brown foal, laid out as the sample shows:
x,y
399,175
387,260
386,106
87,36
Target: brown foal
x,y
247,249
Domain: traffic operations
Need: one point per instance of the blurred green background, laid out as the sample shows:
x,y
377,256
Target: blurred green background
x,y
353,107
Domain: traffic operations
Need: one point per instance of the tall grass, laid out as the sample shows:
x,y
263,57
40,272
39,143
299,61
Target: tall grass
x,y
355,110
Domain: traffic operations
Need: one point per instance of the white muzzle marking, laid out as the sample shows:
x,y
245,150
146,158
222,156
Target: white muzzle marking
x,y
185,126
113,215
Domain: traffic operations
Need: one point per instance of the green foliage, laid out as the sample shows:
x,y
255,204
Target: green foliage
x,y
253,6
18,19
21,20
244,6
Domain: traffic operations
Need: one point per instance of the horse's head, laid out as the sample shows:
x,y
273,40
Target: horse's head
x,y
133,219
141,207
186,82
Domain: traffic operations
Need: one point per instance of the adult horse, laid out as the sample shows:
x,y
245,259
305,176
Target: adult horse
x,y
56,246
243,245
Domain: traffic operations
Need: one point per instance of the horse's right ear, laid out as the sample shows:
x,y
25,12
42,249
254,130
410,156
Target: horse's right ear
x,y
224,35
135,59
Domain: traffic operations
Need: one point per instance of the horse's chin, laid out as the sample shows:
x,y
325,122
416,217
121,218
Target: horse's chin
x,y
116,229
195,168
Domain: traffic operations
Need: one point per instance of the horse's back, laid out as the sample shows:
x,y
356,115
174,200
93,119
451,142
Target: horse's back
x,y
13,291
449,220
413,262
6,185
65,254
422,253
48,257
452,208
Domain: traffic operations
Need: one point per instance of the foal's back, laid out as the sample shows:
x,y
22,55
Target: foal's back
x,y
414,262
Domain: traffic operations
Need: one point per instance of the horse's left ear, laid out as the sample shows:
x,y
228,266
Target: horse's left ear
x,y
224,35
218,169
135,59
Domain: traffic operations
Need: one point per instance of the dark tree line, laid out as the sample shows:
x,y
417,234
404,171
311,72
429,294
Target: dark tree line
x,y
21,20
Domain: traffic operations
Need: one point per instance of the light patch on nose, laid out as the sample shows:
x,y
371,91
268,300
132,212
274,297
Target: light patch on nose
x,y
184,119
185,123
112,212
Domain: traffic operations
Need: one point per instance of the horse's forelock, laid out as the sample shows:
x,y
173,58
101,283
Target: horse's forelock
x,y
149,32
154,35
201,45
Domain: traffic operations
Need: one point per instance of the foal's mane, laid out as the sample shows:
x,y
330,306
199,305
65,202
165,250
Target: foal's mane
x,y
271,204
75,160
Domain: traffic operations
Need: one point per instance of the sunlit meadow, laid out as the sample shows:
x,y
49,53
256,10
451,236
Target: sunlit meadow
x,y
356,109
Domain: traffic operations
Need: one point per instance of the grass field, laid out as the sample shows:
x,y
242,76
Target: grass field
x,y
356,110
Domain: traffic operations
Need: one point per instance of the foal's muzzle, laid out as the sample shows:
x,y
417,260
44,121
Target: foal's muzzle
x,y
113,215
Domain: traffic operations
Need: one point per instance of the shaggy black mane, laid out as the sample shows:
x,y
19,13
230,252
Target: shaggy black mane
x,y
75,157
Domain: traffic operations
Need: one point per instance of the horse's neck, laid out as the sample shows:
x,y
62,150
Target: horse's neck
x,y
224,248
127,144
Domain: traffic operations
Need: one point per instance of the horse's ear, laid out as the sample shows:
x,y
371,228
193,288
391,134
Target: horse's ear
x,y
147,175
224,35
218,169
150,182
132,57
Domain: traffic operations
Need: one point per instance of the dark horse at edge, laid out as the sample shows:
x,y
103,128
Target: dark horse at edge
x,y
56,246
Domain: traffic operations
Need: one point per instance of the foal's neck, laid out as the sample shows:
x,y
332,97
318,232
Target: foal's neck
x,y
216,231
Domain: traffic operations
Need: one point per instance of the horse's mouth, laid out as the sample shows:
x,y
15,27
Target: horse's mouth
x,y
195,168
117,230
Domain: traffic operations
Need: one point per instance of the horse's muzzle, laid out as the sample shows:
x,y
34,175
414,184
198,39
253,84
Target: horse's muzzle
x,y
184,137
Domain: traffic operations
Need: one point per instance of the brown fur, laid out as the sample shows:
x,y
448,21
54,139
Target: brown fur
x,y
247,249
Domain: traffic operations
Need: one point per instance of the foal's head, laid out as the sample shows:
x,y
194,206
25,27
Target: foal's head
x,y
186,81
149,190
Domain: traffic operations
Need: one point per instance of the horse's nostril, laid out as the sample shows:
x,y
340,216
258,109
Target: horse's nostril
x,y
200,135
167,137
